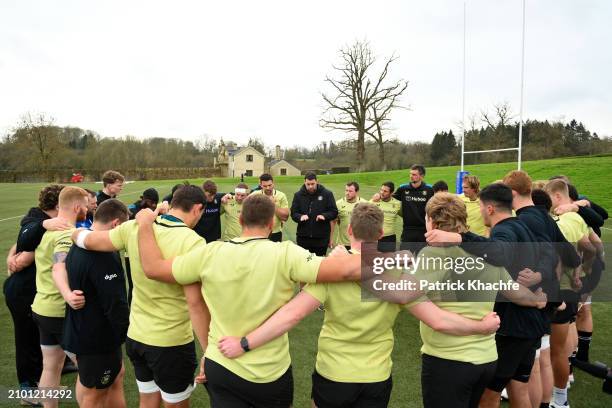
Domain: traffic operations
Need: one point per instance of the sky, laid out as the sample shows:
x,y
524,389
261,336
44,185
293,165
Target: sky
x,y
241,69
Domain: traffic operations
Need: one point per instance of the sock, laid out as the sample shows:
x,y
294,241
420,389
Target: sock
x,y
545,405
570,362
584,341
559,395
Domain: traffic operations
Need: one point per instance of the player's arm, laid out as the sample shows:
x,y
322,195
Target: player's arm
x,y
281,209
198,313
524,297
295,209
332,229
74,298
153,263
23,260
285,318
454,324
10,260
340,268
93,240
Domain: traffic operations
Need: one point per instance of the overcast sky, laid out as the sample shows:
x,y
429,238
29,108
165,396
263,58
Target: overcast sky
x,y
237,69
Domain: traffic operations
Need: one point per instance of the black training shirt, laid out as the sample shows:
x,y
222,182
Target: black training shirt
x,y
101,325
413,201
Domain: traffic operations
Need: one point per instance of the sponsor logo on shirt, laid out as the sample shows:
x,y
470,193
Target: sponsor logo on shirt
x,y
110,277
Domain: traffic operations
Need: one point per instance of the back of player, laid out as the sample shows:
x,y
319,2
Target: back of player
x,y
160,342
96,332
353,366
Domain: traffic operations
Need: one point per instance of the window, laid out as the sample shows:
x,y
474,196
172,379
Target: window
x,y
249,158
249,173
283,172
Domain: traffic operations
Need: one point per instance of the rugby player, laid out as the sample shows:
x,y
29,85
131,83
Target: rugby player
x,y
112,182
48,307
232,206
281,205
159,340
95,332
339,227
392,209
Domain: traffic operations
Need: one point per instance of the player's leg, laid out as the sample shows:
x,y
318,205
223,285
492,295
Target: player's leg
x,y
116,396
584,325
148,392
546,372
535,383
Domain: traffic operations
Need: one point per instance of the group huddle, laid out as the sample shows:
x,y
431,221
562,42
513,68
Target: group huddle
x,y
239,289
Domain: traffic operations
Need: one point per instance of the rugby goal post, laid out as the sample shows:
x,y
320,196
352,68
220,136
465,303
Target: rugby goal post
x,y
462,172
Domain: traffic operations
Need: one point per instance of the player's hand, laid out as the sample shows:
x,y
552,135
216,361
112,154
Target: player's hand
x,y
376,197
338,250
201,377
11,264
146,216
56,224
583,203
565,208
529,278
576,283
226,198
320,218
75,299
438,237
490,323
304,218
542,298
163,207
230,346
561,307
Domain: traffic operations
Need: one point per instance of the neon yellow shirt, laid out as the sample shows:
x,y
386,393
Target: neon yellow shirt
x,y
475,349
475,222
48,300
158,315
345,210
573,228
244,281
392,209
232,227
280,200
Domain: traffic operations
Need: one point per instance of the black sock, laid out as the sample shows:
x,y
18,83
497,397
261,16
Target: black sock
x,y
584,341
545,405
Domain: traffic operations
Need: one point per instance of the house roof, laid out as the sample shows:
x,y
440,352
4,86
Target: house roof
x,y
274,162
239,150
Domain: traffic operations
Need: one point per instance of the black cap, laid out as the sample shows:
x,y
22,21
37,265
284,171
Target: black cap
x,y
151,194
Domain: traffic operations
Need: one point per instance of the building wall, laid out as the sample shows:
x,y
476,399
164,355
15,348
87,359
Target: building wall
x,y
239,164
275,169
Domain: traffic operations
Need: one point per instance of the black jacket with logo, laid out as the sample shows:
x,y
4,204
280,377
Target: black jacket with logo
x,y
321,202
413,201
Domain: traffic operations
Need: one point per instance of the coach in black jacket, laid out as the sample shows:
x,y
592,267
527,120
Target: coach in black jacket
x,y
313,208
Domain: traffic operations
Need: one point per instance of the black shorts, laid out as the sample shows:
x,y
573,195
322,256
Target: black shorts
x,y
388,243
228,390
413,240
171,368
515,357
450,383
568,315
276,236
51,329
331,394
99,370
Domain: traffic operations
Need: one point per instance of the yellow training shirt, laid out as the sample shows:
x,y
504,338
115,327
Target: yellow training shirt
x,y
475,222
392,209
345,210
232,227
280,200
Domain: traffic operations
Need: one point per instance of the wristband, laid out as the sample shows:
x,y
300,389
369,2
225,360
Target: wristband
x,y
80,241
244,343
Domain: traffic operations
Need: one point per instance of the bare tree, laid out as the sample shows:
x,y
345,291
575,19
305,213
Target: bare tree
x,y
358,104
37,131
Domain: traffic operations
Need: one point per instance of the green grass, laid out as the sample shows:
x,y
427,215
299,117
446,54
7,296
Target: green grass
x,y
590,175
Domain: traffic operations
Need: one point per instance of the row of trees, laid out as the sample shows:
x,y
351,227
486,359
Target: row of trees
x,y
39,146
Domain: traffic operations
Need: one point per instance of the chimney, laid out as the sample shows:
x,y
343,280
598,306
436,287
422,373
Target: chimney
x,y
277,155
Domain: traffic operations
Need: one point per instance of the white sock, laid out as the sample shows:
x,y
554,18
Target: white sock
x,y
559,395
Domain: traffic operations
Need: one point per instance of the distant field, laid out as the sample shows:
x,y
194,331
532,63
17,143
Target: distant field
x,y
590,175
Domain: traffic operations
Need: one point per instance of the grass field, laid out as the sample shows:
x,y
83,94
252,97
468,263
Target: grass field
x,y
590,175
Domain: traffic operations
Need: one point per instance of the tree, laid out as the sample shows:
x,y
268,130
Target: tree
x,y
356,98
37,135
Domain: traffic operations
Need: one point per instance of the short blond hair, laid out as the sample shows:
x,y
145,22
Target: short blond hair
x,y
71,195
473,182
557,186
448,212
367,222
538,185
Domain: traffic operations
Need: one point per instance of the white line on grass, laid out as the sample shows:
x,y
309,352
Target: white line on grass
x,y
19,216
